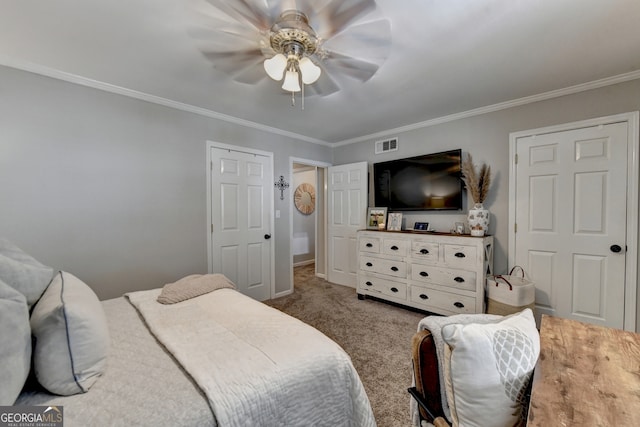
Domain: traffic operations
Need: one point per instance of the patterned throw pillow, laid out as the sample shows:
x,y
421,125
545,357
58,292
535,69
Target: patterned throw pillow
x,y
490,369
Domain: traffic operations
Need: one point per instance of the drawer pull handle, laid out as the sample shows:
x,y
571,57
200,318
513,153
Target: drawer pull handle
x,y
369,245
424,251
423,296
459,255
424,274
394,289
394,248
459,304
369,264
368,283
458,279
394,268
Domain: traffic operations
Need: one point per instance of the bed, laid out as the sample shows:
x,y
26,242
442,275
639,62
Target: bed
x,y
217,359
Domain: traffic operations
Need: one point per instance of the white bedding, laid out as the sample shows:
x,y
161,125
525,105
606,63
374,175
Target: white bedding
x,y
142,386
257,365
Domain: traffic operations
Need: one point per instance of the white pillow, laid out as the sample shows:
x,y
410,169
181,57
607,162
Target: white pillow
x,y
15,346
71,336
491,367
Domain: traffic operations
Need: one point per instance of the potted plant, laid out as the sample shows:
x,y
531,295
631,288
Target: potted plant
x,y
477,182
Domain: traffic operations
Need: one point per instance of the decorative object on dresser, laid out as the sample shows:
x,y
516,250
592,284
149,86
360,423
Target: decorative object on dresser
x,y
376,218
439,272
394,221
421,226
478,183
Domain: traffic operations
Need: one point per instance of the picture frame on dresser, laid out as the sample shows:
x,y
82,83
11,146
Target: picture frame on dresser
x,y
376,218
394,221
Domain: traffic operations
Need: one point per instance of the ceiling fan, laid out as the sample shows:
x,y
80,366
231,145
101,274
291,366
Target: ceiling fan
x,y
306,42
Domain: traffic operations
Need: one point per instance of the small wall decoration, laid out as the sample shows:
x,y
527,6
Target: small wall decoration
x,y
281,185
305,198
376,218
394,222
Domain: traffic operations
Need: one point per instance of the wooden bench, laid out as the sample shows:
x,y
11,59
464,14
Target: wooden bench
x,y
586,375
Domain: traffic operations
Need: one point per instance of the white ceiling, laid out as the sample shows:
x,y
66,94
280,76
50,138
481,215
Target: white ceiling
x,y
447,57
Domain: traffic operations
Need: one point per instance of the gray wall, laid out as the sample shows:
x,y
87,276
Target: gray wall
x,y
486,137
113,189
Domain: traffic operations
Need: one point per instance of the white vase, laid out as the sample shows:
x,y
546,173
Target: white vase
x,y
478,220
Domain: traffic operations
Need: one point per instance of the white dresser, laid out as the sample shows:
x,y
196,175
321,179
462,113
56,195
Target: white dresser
x,y
436,272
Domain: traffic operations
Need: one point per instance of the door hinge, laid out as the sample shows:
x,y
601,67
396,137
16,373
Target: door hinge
x,y
516,159
515,227
212,228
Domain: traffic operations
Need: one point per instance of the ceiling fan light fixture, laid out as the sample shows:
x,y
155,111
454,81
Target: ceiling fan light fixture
x,y
291,82
310,72
275,66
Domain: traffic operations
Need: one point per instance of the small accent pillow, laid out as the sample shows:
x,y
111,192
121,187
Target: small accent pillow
x,y
491,367
71,336
193,286
15,348
23,272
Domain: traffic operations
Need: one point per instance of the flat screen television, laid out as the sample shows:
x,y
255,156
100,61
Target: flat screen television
x,y
421,183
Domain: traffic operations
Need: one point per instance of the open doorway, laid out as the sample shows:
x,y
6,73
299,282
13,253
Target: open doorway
x,y
308,218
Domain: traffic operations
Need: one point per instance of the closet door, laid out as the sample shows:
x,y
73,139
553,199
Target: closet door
x,y
347,206
570,221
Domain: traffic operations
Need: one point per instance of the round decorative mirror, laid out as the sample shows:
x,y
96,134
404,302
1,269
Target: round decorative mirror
x,y
305,198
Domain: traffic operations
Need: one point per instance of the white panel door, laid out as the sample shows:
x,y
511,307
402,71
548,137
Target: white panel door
x,y
241,219
571,206
347,206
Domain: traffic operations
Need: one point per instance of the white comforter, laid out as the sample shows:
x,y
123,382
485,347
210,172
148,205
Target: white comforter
x,y
257,365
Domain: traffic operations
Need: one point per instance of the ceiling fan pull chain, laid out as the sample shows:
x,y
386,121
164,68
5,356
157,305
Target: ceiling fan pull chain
x,y
293,99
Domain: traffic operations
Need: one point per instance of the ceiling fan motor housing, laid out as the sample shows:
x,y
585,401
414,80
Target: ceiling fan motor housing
x,y
292,34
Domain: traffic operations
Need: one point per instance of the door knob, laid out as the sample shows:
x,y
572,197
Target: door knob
x,y
615,248
267,236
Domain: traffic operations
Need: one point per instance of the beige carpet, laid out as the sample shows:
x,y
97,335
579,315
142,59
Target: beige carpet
x,y
375,334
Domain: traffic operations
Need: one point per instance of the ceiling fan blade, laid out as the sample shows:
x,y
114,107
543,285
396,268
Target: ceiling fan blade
x,y
358,69
324,86
371,41
338,14
254,12
244,67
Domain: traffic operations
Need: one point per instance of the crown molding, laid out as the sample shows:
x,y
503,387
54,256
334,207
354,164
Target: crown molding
x,y
620,78
107,87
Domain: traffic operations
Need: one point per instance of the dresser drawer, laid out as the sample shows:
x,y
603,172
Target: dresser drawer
x,y
369,244
424,250
383,286
459,279
462,256
395,247
445,300
383,266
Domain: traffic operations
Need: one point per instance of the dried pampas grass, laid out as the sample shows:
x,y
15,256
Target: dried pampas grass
x,y
477,182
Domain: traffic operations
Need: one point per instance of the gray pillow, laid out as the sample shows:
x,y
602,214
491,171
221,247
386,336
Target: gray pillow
x,y
15,348
23,272
71,336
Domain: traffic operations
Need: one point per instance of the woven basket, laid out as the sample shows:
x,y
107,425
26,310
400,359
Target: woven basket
x,y
495,307
510,293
